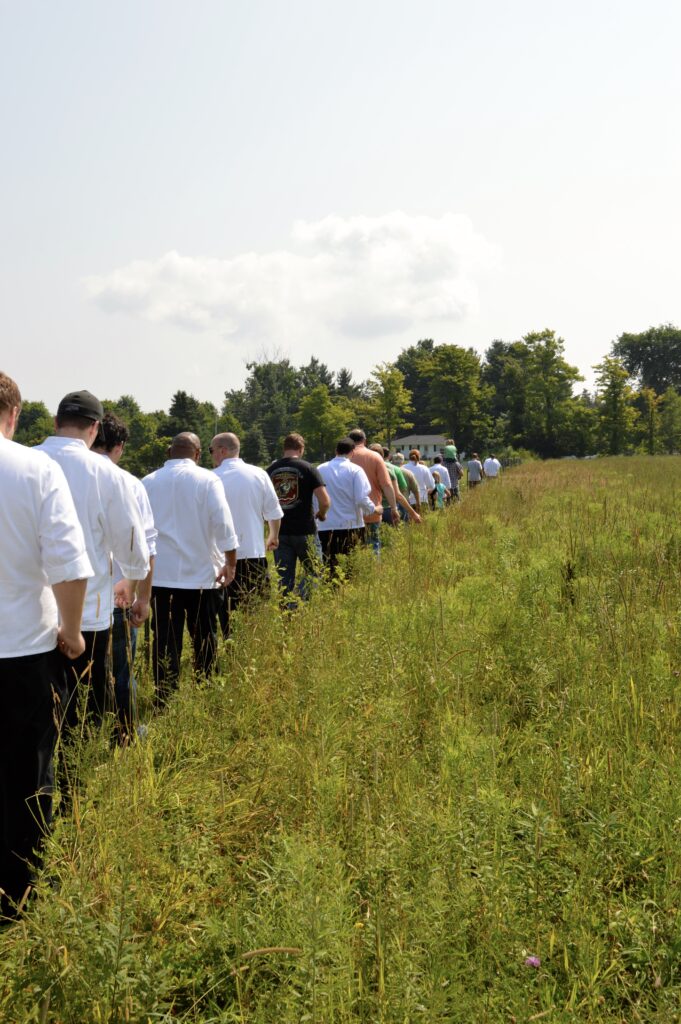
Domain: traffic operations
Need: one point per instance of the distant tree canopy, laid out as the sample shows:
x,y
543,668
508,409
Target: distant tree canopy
x,y
652,357
519,396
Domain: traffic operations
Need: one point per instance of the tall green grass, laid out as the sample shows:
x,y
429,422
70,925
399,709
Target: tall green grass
x,y
385,803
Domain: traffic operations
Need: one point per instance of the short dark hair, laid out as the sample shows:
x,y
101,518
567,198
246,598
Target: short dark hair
x,y
112,432
357,435
10,395
295,441
345,446
437,459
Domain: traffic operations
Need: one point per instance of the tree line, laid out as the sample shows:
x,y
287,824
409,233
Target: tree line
x,y
520,397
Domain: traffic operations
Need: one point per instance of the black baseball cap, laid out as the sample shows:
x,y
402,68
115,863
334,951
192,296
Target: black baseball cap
x,y
81,403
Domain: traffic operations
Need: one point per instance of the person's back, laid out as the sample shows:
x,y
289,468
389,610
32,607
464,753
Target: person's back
x,y
378,476
41,536
492,467
252,501
110,519
295,482
188,503
350,492
475,471
43,569
298,486
195,551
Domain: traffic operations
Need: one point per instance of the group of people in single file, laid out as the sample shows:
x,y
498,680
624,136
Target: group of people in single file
x,y
88,552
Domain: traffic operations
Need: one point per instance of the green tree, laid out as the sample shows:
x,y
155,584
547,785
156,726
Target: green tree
x,y
670,421
458,399
580,425
548,394
653,357
314,374
322,422
254,447
188,413
414,363
505,372
268,399
616,412
345,386
35,424
391,400
648,406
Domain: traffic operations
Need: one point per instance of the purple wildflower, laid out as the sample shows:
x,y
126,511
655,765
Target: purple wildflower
x,y
532,961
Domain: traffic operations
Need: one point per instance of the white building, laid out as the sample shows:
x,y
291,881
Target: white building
x,y
428,444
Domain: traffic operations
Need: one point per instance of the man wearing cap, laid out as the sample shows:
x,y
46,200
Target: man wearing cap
x,y
195,550
108,513
252,501
43,569
110,443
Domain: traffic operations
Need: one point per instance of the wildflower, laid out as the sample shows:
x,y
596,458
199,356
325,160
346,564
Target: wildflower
x,y
532,961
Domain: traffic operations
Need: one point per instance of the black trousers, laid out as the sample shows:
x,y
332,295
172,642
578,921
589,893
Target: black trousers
x,y
31,689
173,609
90,671
336,543
251,581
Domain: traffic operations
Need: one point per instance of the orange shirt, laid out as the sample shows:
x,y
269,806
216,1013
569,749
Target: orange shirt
x,y
374,467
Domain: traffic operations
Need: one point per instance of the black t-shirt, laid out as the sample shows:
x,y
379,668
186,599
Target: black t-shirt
x,y
294,481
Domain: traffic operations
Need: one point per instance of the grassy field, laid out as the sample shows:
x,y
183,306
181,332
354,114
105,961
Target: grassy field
x,y
384,806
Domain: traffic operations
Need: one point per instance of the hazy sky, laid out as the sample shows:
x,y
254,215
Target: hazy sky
x,y
187,186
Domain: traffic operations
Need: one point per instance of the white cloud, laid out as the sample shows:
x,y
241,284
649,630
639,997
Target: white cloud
x,y
344,278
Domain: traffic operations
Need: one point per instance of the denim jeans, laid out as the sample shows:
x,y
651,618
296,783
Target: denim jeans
x,y
293,548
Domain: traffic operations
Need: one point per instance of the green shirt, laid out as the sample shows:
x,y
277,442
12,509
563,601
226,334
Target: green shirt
x,y
451,452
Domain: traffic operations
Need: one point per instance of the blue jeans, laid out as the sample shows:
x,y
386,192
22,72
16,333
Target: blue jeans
x,y
293,548
123,647
372,537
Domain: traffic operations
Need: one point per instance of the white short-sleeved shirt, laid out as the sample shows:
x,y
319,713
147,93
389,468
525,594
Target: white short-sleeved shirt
x,y
146,515
349,489
195,526
445,478
252,501
111,522
491,467
41,543
424,478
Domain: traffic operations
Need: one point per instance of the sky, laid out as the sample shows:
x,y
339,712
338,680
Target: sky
x,y
190,187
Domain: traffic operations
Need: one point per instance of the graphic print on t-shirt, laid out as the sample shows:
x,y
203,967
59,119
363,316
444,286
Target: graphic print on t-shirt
x,y
286,486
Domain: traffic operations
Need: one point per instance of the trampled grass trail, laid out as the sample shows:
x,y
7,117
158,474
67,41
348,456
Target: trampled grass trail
x,y
467,757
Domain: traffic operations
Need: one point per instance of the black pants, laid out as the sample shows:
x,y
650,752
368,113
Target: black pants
x,y
90,671
250,582
173,609
336,543
31,689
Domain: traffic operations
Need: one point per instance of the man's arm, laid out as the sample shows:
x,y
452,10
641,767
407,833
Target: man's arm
x,y
271,513
273,527
323,502
228,570
362,492
413,514
70,597
139,611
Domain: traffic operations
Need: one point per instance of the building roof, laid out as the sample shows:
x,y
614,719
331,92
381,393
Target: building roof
x,y
416,439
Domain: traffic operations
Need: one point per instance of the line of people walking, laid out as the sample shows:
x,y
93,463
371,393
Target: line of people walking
x,y
88,553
